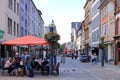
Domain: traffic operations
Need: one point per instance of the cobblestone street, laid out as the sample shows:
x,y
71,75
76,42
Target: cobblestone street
x,y
75,70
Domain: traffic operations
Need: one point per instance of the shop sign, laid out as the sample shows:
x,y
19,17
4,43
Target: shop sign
x,y
1,34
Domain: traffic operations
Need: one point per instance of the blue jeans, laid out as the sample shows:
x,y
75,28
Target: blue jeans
x,y
95,61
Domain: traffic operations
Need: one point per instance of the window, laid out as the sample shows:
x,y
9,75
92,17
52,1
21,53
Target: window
x,y
9,26
10,4
95,36
95,22
51,29
25,32
25,7
14,28
15,6
17,30
25,23
28,21
104,29
21,31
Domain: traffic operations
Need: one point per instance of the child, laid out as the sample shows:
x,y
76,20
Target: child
x,y
95,58
92,58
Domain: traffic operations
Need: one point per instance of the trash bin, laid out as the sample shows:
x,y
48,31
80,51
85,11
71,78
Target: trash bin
x,y
62,59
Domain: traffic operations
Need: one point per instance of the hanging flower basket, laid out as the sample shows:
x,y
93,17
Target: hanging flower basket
x,y
102,45
87,46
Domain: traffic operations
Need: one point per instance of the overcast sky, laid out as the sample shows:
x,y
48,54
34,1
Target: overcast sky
x,y
63,12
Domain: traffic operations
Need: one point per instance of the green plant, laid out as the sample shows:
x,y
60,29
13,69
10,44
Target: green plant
x,y
62,47
88,46
52,38
102,45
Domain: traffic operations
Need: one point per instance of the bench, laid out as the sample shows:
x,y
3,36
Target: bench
x,y
45,69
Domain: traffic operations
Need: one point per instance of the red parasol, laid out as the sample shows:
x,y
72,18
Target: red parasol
x,y
26,40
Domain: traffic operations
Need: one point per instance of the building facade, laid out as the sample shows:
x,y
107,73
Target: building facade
x,y
9,13
107,21
117,32
87,25
9,22
83,34
74,27
79,39
18,18
31,22
94,27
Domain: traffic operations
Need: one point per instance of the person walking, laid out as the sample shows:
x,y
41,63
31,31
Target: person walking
x,y
92,58
22,63
95,58
72,55
75,55
27,63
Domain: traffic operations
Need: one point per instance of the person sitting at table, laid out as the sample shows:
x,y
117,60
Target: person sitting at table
x,y
9,65
45,62
38,63
45,66
17,63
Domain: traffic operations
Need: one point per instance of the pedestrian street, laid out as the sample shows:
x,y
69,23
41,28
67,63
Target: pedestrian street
x,y
73,69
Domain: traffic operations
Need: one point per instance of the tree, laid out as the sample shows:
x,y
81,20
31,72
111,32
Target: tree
x,y
52,38
62,47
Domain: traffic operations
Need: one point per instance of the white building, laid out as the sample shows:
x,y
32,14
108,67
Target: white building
x,y
9,24
9,19
94,27
79,39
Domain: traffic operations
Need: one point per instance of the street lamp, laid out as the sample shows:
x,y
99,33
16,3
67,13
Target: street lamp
x,y
103,54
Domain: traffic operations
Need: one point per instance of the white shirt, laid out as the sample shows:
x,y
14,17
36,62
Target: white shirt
x,y
7,64
44,54
92,57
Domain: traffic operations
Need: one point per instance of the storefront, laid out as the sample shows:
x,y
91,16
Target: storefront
x,y
117,50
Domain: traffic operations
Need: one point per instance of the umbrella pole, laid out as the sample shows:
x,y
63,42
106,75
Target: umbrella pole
x,y
29,49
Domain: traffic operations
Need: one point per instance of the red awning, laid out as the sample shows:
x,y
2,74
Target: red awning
x,y
26,40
